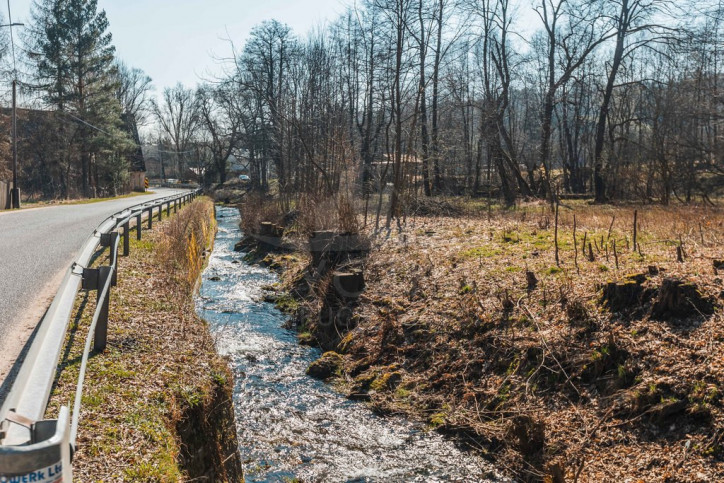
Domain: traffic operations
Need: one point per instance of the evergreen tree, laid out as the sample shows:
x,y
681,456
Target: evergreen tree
x,y
75,70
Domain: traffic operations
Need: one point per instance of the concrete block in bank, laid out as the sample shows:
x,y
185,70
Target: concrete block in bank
x,y
269,237
349,284
267,228
334,247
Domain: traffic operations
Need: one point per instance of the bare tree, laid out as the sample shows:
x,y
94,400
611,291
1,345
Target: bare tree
x,y
629,17
264,72
572,31
133,88
220,123
397,14
178,117
404,80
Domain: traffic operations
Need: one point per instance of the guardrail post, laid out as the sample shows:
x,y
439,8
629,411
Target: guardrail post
x,y
109,240
160,212
150,218
168,209
114,247
100,336
175,206
126,238
138,225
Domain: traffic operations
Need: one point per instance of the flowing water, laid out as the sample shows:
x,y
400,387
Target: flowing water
x,y
290,425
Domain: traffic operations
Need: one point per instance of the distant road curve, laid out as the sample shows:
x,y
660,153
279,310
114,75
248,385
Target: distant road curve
x,y
37,246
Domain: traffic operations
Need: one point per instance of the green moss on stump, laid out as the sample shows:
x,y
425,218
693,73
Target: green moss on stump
x,y
387,380
330,364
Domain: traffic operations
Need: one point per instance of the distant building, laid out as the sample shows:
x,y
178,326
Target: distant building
x,y
237,165
159,164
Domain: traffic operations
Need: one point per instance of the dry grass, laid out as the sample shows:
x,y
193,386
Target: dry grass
x,y
184,241
449,310
331,213
308,214
257,208
159,365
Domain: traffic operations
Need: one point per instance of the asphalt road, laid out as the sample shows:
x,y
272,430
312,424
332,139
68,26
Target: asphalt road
x,y
36,248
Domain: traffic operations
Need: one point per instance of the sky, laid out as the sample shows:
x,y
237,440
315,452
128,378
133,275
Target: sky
x,y
179,40
187,40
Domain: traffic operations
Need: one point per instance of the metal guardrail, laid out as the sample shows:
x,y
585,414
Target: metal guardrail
x,y
36,448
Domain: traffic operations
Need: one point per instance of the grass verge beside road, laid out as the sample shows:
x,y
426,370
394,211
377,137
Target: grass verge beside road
x,y
157,402
84,201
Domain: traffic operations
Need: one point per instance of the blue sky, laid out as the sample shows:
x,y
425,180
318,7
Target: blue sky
x,y
176,40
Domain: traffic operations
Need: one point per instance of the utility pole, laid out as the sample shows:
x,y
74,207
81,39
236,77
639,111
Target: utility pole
x,y
160,161
15,194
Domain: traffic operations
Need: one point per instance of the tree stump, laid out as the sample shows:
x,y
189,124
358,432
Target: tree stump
x,y
527,435
639,278
320,243
270,236
619,296
334,248
679,299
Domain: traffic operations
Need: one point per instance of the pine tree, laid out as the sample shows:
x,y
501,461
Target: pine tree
x,y
75,70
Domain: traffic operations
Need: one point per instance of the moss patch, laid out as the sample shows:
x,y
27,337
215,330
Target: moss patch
x,y
326,366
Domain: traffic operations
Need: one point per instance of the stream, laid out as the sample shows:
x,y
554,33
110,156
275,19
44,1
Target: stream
x,y
290,426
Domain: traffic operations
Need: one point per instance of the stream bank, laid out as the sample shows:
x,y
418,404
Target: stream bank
x,y
293,427
499,331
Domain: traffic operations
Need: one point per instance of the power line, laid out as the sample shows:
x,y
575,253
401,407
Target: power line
x,y
173,152
86,123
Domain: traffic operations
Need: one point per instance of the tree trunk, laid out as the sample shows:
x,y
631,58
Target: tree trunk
x,y
437,180
599,184
424,135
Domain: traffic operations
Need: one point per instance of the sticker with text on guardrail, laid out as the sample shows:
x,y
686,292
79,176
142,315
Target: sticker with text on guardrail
x,y
51,474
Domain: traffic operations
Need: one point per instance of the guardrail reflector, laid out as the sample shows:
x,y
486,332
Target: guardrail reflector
x,y
45,460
